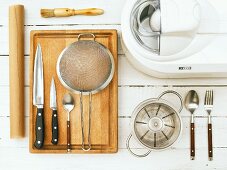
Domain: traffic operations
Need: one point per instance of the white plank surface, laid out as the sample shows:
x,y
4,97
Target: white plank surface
x,y
134,87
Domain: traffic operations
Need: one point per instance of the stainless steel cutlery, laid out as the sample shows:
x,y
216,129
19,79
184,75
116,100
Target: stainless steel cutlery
x,y
191,104
38,97
68,103
208,106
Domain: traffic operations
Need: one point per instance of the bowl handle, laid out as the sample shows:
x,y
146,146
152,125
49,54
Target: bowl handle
x,y
134,154
177,94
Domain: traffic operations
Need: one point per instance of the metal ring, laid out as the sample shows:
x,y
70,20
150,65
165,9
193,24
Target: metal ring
x,y
80,35
134,154
173,92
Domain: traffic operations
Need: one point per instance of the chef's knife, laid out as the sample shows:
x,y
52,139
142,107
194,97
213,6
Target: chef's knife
x,y
53,106
38,97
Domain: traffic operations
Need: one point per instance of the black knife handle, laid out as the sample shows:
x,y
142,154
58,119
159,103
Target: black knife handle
x,y
54,127
39,128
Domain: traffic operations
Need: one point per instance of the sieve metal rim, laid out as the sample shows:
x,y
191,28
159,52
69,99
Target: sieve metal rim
x,y
103,85
141,106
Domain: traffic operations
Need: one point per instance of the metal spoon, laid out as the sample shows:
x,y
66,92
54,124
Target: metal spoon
x,y
68,103
191,104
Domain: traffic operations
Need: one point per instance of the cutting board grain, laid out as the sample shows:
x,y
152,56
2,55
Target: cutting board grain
x,y
104,124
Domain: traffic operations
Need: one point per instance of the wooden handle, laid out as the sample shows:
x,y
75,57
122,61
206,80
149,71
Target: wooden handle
x,y
210,144
68,137
16,70
66,12
192,141
89,11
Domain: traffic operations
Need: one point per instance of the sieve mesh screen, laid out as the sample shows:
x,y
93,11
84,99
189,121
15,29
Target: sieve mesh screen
x,y
85,66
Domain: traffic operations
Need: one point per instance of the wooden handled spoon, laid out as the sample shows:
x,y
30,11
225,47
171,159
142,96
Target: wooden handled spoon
x,y
68,103
191,104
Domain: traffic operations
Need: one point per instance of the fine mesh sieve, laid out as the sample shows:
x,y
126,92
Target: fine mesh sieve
x,y
85,67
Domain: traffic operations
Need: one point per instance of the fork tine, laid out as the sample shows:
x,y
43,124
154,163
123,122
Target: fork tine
x,y
208,100
209,103
206,97
212,97
205,100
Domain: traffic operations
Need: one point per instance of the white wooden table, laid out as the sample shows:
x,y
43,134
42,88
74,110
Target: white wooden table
x,y
134,87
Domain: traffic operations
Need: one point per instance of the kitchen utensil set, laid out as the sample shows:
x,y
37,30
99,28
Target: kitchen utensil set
x,y
191,104
82,78
84,67
156,124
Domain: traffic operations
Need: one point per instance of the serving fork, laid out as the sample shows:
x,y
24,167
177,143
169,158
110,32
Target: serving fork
x,y
208,106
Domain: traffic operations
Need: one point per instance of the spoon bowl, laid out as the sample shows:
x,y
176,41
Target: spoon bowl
x,y
191,101
68,102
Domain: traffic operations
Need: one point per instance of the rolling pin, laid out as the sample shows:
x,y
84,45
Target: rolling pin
x,y
16,70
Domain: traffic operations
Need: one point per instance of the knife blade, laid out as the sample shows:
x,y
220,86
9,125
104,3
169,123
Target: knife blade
x,y
53,106
38,97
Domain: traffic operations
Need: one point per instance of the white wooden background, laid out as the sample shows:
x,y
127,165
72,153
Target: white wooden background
x,y
134,87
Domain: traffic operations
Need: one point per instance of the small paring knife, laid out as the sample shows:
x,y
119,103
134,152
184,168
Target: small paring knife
x,y
38,97
53,106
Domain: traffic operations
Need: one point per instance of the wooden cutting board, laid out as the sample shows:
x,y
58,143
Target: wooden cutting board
x,y
104,124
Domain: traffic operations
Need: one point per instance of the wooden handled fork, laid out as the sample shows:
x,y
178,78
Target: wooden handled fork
x,y
208,106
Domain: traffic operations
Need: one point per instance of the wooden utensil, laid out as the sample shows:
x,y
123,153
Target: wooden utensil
x,y
16,69
66,12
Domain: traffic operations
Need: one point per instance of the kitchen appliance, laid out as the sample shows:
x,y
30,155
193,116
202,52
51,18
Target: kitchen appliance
x,y
156,124
85,67
174,38
38,97
53,107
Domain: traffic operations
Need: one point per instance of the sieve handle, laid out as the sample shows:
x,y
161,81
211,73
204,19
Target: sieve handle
x,y
85,34
130,150
177,94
